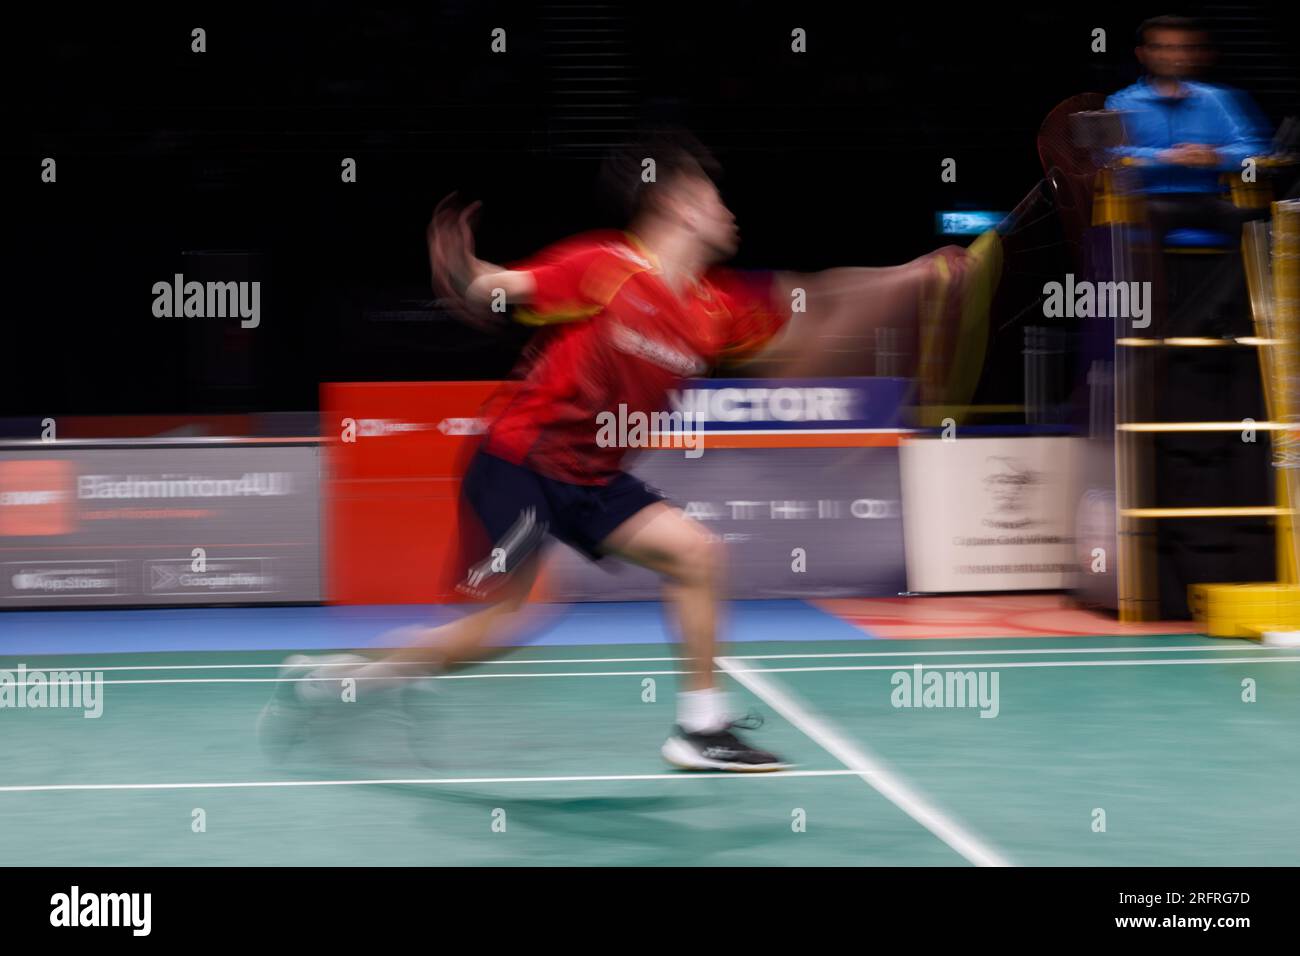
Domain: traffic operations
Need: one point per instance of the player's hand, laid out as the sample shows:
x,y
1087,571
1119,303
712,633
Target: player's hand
x,y
450,238
451,245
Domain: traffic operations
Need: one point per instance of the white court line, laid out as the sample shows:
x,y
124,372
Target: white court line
x,y
962,665
420,781
523,662
865,765
1012,664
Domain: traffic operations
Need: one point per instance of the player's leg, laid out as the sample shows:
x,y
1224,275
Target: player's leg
x,y
421,651
660,538
308,681
692,563
514,510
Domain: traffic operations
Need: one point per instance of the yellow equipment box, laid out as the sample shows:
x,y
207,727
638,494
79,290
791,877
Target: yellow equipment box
x,y
1245,610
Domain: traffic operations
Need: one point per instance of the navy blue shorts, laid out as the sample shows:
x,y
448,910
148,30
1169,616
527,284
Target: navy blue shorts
x,y
519,508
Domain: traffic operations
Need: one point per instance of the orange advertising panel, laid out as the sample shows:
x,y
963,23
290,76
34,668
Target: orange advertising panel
x,y
397,530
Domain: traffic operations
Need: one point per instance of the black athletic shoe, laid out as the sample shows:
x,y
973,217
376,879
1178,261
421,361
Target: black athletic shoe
x,y
720,750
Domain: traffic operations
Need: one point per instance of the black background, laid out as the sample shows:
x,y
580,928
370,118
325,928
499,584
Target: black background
x,y
832,158
526,907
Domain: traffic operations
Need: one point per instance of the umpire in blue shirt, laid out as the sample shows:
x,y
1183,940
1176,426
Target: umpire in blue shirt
x,y
1182,135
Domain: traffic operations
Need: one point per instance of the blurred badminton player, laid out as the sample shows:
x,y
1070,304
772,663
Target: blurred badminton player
x,y
626,316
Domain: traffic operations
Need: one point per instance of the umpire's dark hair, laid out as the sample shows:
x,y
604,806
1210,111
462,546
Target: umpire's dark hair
x,y
675,152
1168,22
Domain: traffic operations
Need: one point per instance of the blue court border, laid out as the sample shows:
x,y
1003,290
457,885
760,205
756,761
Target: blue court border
x,y
319,628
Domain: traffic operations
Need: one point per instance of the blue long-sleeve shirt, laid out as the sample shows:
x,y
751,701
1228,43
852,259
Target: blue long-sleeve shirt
x,y
1207,114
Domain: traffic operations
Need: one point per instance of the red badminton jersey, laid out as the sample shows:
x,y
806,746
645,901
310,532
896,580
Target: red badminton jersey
x,y
617,335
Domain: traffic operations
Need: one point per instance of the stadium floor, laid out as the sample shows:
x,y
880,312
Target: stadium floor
x,y
550,755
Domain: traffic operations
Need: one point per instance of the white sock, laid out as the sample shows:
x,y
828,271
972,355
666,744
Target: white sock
x,y
702,711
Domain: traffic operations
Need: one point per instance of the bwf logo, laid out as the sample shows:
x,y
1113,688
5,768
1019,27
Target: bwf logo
x,y
208,300
103,909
